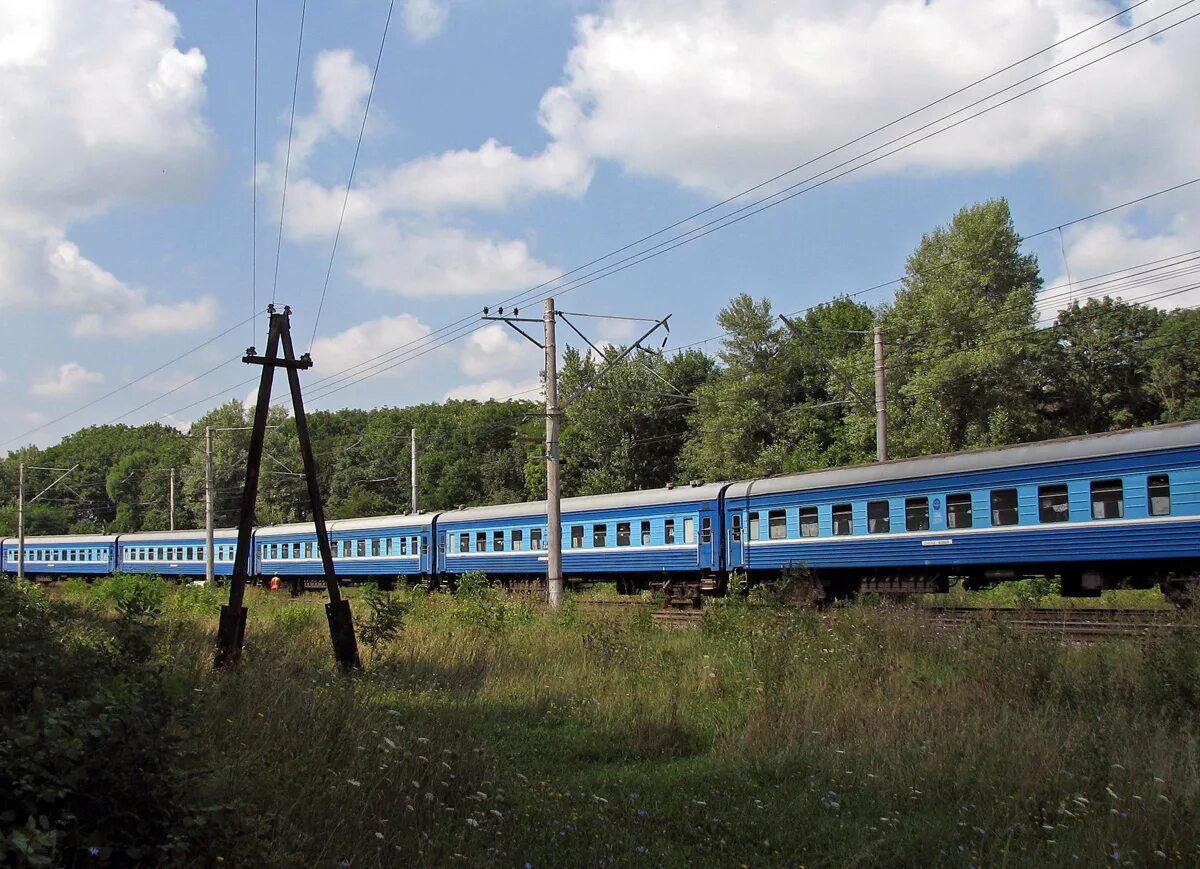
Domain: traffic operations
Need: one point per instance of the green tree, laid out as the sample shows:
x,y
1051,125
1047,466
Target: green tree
x,y
962,372
1174,369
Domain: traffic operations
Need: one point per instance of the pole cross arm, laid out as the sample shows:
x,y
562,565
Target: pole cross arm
x,y
302,364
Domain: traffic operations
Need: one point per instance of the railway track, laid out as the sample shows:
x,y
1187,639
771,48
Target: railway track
x,y
1076,625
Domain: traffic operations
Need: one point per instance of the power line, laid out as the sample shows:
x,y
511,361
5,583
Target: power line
x,y
288,158
751,209
130,383
254,192
353,165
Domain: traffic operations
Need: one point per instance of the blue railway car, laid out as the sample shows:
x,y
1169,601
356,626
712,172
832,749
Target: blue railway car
x,y
176,553
1097,511
381,547
63,556
637,538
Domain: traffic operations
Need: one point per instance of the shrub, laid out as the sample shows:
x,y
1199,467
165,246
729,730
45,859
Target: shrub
x,y
385,619
95,766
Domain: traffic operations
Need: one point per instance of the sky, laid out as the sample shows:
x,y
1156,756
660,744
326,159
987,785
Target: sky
x,y
154,194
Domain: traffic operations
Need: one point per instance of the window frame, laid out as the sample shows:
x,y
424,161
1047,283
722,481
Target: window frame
x,y
624,533
1048,511
1103,487
918,502
955,500
1161,481
777,522
877,524
842,511
994,496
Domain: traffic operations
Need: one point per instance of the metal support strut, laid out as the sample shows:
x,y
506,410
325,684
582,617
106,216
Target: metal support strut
x,y
231,630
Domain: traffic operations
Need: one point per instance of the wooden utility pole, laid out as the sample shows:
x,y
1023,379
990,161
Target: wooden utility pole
x,y
413,469
881,419
554,575
209,555
232,627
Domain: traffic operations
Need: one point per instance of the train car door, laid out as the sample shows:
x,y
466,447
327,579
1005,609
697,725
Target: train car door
x,y
734,534
426,554
707,551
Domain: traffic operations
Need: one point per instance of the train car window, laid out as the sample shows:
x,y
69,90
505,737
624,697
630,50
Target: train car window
x,y
809,524
296,550
453,543
916,514
958,510
535,538
599,535
376,547
308,549
689,530
74,555
283,552
735,527
705,530
879,517
1158,492
1108,499
464,542
497,541
361,548
755,526
402,544
1004,506
1052,503
645,533
668,531
481,541
623,536
518,540
160,553
388,544
577,537
843,519
777,524
424,544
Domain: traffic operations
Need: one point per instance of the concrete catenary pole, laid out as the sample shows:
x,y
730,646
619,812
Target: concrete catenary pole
x,y
554,576
881,421
208,506
413,469
171,498
21,521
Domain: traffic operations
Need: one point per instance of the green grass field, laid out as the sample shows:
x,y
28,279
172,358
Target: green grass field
x,y
484,731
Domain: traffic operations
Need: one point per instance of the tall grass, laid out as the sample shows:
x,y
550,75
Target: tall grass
x,y
488,732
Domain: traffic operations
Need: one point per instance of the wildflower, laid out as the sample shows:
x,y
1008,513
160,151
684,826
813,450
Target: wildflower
x,y
633,796
378,835
95,852
1111,793
353,782
473,822
641,849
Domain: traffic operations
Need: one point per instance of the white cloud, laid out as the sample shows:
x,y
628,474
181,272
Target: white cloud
x,y
364,342
150,320
1114,258
495,350
69,379
3,376
99,108
499,388
719,96
424,19
400,228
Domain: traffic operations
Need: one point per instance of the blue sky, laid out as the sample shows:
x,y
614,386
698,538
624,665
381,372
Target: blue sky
x,y
510,142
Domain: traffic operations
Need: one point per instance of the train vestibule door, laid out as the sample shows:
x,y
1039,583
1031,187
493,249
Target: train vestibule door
x,y
734,534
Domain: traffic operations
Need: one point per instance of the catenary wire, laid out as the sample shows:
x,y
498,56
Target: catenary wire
x,y
353,165
287,161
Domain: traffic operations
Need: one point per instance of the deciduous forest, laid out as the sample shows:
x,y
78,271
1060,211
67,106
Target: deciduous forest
x,y
973,359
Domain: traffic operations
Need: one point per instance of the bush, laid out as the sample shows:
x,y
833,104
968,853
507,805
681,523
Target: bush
x,y
386,616
94,760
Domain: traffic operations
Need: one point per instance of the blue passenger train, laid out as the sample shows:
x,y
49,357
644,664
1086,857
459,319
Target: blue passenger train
x,y
1096,511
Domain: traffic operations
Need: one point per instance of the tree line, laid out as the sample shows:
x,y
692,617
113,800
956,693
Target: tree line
x,y
969,364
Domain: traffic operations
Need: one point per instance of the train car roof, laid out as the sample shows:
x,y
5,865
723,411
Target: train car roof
x,y
371,523
643,498
223,533
65,539
1127,441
